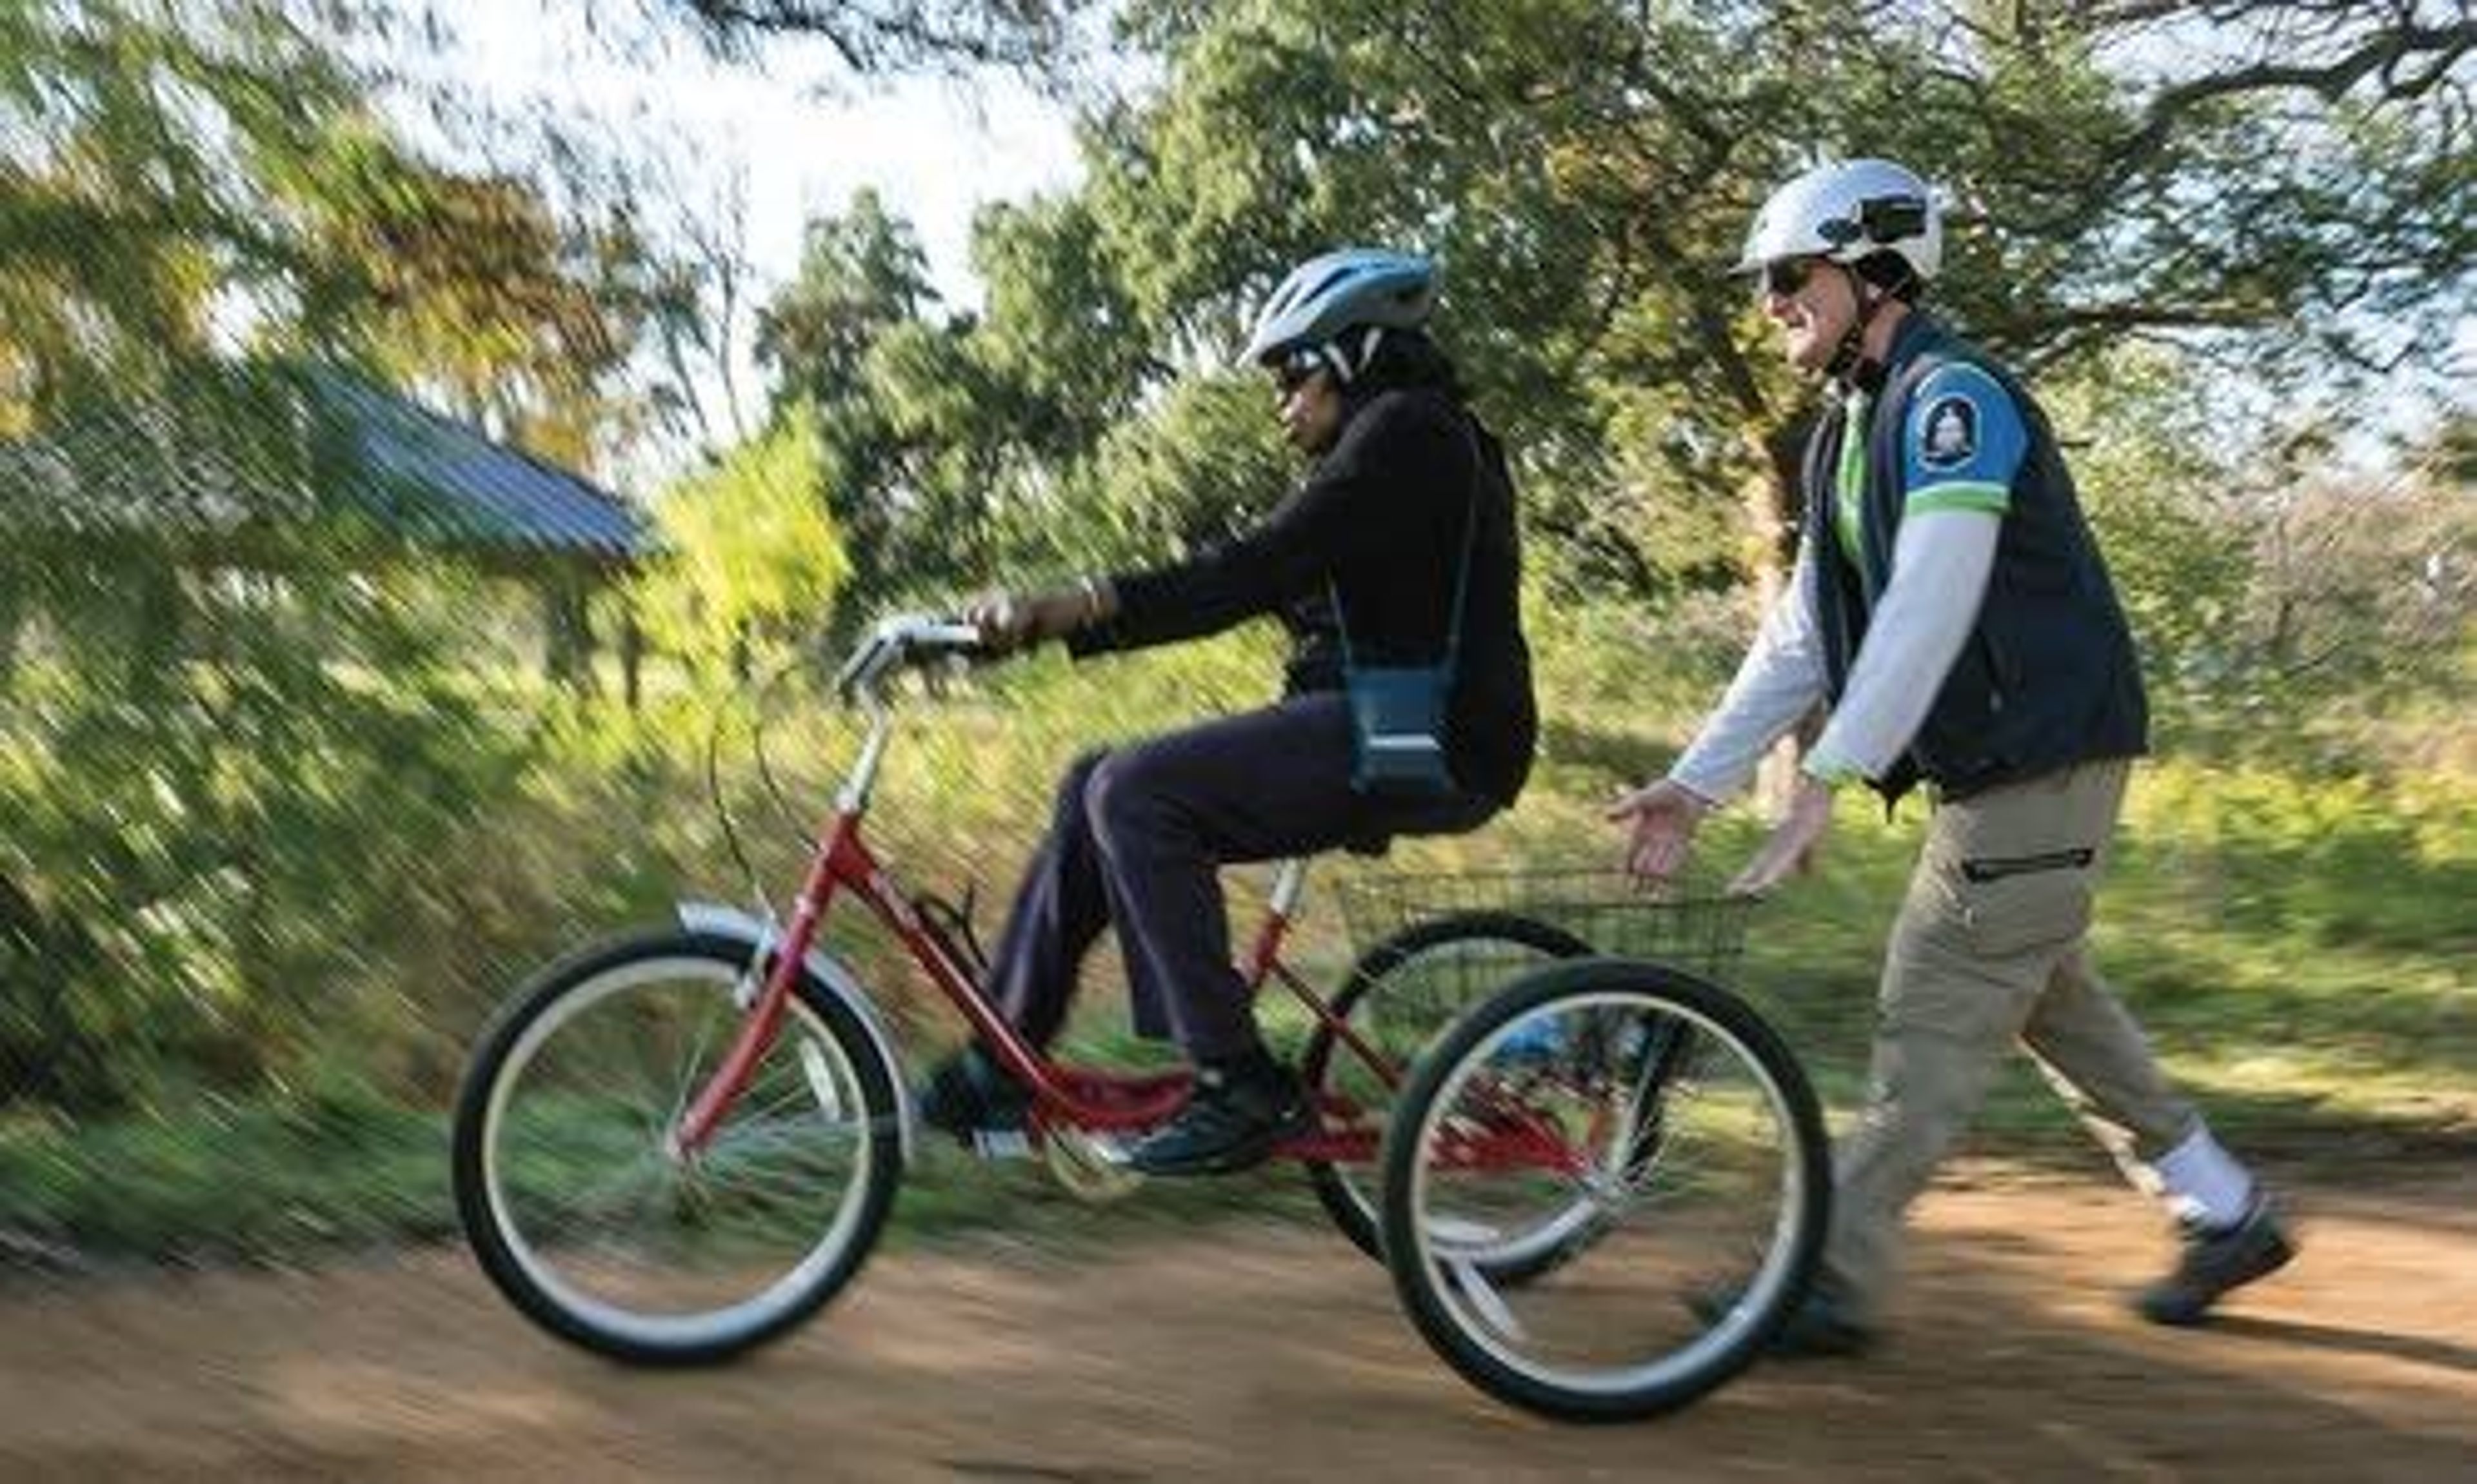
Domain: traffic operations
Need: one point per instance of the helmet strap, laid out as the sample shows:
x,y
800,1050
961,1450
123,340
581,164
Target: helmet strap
x,y
1848,361
1338,359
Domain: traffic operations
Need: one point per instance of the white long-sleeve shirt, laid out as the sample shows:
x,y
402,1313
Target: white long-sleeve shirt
x,y
1962,446
1942,561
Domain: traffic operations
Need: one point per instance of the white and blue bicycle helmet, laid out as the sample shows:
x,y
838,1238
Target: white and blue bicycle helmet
x,y
1870,214
1327,296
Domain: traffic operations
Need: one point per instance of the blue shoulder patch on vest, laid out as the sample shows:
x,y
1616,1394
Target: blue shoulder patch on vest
x,y
1962,442
1948,433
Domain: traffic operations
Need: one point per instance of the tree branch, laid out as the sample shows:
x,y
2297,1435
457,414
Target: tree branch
x,y
2381,54
872,37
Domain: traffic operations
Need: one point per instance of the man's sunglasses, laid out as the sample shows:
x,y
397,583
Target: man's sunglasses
x,y
1785,276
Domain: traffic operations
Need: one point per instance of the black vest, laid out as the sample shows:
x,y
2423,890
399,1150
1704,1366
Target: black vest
x,y
2048,677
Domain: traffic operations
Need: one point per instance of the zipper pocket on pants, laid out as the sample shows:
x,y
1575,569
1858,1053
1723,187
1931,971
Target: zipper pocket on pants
x,y
1995,868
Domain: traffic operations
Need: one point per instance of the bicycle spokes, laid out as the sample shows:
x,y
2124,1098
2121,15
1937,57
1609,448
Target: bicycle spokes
x,y
592,1211
1571,1170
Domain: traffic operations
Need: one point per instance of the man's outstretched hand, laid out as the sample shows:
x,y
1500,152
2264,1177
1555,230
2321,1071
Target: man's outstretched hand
x,y
1661,817
1794,841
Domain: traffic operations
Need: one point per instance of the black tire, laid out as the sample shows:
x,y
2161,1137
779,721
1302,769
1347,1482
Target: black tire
x,y
823,1096
1351,1194
1469,1317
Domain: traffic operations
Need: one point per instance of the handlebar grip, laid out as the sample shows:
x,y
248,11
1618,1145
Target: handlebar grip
x,y
906,639
953,636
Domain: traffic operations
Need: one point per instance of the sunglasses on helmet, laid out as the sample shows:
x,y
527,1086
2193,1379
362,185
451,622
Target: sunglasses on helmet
x,y
1297,369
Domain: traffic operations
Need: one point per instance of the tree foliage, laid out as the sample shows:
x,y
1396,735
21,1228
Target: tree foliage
x,y
156,180
750,559
238,721
874,37
2280,187
232,749
476,292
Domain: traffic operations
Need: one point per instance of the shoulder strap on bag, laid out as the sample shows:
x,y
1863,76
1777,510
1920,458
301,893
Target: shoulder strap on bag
x,y
1462,577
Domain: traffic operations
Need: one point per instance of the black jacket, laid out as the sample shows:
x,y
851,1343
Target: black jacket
x,y
1380,522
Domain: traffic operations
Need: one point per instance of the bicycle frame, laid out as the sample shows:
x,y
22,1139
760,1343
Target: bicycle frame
x,y
1086,1098
774,1175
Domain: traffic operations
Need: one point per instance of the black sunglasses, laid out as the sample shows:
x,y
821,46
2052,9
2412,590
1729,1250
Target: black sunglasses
x,y
1785,276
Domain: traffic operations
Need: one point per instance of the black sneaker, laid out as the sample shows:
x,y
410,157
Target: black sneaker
x,y
2214,1263
968,1094
1235,1114
1821,1326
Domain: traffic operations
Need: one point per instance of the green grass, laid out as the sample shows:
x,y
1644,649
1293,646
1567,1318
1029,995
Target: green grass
x,y
2311,984
2299,947
214,1181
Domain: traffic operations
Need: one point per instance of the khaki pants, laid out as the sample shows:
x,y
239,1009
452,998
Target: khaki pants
x,y
1989,949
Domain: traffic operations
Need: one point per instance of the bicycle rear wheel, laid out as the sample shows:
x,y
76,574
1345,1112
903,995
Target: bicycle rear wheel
x,y
1402,994
581,1213
1643,1153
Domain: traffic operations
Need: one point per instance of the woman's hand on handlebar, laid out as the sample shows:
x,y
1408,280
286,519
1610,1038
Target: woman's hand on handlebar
x,y
1012,621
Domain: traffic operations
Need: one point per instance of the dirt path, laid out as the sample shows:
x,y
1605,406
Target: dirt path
x,y
1277,1353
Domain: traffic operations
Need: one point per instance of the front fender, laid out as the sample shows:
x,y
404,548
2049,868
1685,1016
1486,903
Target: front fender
x,y
831,975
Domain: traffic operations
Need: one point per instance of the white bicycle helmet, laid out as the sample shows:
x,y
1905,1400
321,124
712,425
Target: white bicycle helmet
x,y
1338,291
1851,212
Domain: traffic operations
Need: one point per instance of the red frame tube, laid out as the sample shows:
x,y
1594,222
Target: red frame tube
x,y
1077,1097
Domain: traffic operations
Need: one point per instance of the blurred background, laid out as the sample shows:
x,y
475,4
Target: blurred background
x,y
423,428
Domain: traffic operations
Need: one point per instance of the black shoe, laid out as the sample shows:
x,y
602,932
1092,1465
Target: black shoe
x,y
1237,1112
968,1094
2214,1263
1817,1326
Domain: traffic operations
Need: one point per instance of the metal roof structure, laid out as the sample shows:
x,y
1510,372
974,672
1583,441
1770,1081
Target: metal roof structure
x,y
443,480
282,443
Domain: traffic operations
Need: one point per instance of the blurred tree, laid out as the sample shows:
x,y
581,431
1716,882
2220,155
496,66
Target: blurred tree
x,y
883,36
1061,327
861,273
2162,488
239,726
954,446
2361,594
750,559
700,310
477,292
2448,455
155,187
2227,176
861,279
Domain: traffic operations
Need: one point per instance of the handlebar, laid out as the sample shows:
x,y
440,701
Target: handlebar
x,y
905,640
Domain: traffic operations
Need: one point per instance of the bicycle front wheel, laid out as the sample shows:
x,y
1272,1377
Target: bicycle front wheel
x,y
1605,1189
584,1214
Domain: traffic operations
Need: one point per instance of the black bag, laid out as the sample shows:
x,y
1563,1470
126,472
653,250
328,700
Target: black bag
x,y
1398,713
1397,729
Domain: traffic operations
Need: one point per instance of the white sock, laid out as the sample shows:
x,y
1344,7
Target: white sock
x,y
2205,1185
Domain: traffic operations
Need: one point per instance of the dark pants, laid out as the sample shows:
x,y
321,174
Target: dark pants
x,y
1136,838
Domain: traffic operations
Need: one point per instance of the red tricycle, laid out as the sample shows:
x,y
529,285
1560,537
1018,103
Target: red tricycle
x,y
1599,1182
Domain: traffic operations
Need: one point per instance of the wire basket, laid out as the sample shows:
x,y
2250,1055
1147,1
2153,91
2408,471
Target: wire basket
x,y
1690,922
